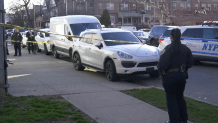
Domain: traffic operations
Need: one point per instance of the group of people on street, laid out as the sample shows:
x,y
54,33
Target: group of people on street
x,y
17,38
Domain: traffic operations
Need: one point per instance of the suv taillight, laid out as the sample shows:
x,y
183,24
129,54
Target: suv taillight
x,y
160,40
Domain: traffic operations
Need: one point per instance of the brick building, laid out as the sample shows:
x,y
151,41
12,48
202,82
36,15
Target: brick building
x,y
192,12
128,12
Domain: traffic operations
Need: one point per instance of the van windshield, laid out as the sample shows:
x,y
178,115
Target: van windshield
x,y
79,27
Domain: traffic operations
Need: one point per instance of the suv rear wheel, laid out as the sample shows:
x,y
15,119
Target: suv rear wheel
x,y
46,50
77,62
110,71
55,53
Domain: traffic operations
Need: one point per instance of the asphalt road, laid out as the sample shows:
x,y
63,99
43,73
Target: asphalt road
x,y
201,85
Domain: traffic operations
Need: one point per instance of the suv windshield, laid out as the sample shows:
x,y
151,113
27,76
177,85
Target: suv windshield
x,y
120,36
79,27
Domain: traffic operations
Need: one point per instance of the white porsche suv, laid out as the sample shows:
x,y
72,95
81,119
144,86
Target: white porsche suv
x,y
115,51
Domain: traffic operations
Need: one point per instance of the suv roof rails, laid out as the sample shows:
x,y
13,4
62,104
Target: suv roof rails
x,y
210,23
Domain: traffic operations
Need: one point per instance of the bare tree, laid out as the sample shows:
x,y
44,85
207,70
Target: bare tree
x,y
18,6
161,7
17,15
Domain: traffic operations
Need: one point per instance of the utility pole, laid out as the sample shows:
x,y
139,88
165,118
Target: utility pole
x,y
66,6
3,57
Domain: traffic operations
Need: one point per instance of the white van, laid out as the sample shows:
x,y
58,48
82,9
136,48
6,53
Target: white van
x,y
130,28
69,25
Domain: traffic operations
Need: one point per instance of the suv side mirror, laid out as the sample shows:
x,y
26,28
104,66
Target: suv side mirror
x,y
99,45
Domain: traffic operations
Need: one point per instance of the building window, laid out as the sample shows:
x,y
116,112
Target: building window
x,y
99,5
209,6
196,6
124,20
134,6
124,6
181,6
148,7
129,20
174,6
110,6
203,6
91,5
112,19
188,6
215,6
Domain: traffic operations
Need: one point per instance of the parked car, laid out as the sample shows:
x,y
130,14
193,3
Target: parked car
x,y
155,34
145,30
142,35
69,25
9,32
202,40
115,51
43,41
130,28
24,41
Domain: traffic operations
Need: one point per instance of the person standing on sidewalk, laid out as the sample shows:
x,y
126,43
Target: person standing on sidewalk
x,y
6,40
30,40
175,60
17,37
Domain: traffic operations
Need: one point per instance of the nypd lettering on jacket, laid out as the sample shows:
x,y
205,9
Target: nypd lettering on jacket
x,y
210,47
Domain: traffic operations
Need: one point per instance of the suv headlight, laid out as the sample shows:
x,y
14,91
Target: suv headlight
x,y
124,55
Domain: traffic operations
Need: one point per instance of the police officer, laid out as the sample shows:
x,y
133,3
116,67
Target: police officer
x,y
6,39
30,37
17,37
175,60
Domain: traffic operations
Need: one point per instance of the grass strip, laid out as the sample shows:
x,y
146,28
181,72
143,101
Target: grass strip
x,y
198,112
42,109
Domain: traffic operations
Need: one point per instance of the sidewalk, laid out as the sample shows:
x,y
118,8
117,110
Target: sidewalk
x,y
89,91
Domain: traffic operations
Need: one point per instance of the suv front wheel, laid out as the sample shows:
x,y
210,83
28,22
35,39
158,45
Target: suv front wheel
x,y
110,71
154,74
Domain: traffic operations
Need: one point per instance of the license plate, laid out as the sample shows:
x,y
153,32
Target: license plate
x,y
150,69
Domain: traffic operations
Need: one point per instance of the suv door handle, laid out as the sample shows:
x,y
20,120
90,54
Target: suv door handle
x,y
204,41
90,48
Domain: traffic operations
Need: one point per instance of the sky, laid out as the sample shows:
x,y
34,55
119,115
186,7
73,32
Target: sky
x,y
7,2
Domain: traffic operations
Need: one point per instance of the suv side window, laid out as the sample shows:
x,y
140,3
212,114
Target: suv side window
x,y
95,38
87,39
208,33
215,33
192,33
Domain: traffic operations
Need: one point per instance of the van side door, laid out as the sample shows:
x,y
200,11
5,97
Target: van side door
x,y
68,41
209,44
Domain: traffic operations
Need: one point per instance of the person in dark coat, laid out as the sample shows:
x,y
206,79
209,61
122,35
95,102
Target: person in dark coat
x,y
6,40
17,37
30,37
175,60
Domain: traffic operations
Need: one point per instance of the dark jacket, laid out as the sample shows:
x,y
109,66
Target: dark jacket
x,y
17,37
29,38
175,55
6,35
